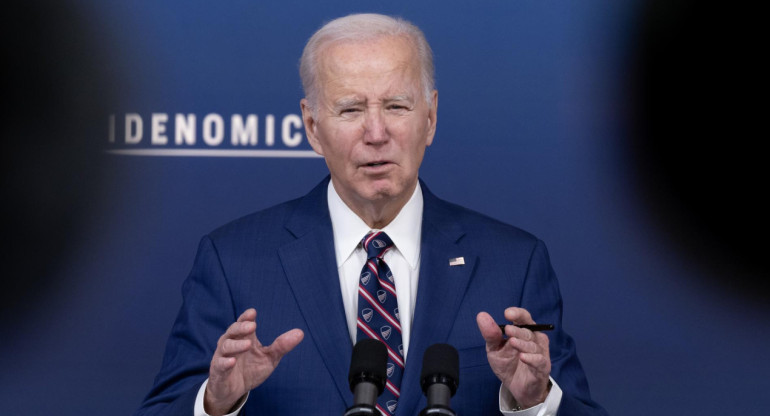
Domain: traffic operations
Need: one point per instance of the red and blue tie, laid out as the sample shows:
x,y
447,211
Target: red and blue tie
x,y
378,314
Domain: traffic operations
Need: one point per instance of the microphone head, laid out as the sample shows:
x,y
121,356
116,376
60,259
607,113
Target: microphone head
x,y
440,364
369,363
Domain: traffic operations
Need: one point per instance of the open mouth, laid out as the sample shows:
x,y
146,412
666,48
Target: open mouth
x,y
376,164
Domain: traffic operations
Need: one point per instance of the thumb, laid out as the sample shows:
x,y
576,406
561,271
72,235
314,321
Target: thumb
x,y
285,343
489,329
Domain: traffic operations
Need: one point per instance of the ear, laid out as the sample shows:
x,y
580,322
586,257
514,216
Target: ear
x,y
432,114
310,126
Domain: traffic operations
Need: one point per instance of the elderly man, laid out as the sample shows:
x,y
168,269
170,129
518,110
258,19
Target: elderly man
x,y
368,253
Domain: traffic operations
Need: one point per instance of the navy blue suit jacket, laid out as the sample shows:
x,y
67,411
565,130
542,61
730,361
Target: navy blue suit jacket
x,y
281,261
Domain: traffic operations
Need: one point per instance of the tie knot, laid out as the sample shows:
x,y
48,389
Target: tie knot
x,y
376,243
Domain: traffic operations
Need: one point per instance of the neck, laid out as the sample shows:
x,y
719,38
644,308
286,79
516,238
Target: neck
x,y
378,213
378,216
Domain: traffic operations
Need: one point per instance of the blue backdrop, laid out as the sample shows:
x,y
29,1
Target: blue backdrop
x,y
544,114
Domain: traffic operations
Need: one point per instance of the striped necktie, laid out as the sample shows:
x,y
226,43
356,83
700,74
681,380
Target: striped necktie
x,y
378,314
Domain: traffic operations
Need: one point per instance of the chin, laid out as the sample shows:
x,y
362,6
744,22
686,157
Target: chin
x,y
378,191
378,194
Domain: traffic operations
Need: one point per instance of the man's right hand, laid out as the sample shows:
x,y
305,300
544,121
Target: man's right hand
x,y
241,363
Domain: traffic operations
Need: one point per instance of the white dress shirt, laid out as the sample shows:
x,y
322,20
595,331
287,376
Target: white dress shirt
x,y
404,261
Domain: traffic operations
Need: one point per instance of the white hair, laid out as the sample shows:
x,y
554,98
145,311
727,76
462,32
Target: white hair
x,y
357,28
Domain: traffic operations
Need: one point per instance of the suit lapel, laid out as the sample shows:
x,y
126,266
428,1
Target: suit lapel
x,y
311,270
440,291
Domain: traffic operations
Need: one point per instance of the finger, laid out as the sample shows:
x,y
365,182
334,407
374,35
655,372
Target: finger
x,y
221,365
232,347
248,315
539,362
527,340
518,315
489,329
285,343
544,343
524,346
520,333
237,331
240,329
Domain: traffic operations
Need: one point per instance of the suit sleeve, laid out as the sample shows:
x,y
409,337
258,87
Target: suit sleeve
x,y
207,310
542,298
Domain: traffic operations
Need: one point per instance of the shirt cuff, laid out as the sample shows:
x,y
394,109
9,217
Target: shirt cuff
x,y
548,408
199,411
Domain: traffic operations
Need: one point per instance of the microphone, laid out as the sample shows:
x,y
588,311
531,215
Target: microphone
x,y
367,376
439,378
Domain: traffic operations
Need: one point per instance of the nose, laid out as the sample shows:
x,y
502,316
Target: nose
x,y
375,127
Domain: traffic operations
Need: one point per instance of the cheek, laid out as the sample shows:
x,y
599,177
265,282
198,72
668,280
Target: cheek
x,y
417,142
416,157
340,144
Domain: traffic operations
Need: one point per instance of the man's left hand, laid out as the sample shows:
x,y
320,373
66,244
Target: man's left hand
x,y
522,361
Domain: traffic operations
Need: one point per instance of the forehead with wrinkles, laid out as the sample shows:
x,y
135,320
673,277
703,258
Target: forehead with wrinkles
x,y
389,64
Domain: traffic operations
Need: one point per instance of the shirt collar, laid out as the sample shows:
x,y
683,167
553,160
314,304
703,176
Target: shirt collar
x,y
349,229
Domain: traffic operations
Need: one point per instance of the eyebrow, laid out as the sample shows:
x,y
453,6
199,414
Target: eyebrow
x,y
399,98
352,101
347,102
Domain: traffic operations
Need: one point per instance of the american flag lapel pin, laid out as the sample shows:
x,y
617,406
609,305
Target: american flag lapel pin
x,y
457,261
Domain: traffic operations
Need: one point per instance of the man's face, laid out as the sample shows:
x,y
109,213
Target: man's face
x,y
372,123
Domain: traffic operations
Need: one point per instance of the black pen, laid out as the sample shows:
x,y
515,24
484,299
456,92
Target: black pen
x,y
535,327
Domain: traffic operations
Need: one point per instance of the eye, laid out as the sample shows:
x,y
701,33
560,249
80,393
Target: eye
x,y
397,107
